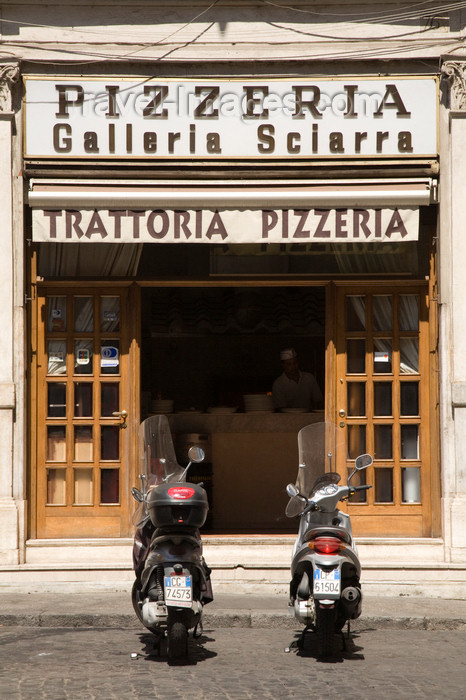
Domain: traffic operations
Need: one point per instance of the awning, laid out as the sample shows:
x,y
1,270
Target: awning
x,y
228,211
231,194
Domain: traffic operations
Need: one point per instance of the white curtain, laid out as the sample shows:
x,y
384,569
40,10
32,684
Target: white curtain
x,y
89,260
375,257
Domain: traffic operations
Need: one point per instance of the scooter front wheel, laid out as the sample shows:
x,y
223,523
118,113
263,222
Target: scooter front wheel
x,y
177,640
325,630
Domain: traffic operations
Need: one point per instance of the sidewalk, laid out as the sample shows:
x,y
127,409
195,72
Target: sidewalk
x,y
113,609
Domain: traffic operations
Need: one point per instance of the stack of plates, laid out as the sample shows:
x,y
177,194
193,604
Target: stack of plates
x,y
254,403
162,406
222,410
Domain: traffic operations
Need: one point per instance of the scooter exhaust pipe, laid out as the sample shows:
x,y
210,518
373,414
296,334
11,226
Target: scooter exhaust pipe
x,y
351,594
351,598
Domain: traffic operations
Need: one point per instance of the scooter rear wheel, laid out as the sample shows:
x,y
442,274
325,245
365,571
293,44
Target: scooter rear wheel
x,y
177,640
325,630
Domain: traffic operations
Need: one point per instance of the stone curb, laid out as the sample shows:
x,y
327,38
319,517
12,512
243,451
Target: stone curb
x,y
223,618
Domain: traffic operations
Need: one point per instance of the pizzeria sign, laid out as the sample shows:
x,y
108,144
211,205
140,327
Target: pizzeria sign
x,y
218,119
226,226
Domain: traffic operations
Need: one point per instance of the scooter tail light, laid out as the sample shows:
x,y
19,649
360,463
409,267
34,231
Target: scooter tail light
x,y
181,493
327,545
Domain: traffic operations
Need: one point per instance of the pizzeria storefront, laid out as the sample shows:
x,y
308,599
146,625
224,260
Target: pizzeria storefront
x,y
182,234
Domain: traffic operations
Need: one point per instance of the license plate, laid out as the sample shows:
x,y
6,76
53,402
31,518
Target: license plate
x,y
178,591
327,583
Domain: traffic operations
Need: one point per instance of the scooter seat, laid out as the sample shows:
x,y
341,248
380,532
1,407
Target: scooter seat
x,y
322,531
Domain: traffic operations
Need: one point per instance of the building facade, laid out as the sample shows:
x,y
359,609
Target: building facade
x,y
186,191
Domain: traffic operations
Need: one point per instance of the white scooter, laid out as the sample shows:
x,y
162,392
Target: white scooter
x,y
325,589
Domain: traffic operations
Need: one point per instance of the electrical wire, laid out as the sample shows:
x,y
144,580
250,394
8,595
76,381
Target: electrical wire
x,y
394,16
363,39
340,14
394,51
106,57
96,57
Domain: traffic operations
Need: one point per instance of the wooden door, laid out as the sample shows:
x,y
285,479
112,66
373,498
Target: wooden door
x,y
81,472
383,405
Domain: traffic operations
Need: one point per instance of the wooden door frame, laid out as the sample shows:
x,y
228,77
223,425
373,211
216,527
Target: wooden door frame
x,y
432,518
132,333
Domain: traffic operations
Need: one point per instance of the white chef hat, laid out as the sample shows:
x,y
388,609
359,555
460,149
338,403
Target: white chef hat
x,y
288,354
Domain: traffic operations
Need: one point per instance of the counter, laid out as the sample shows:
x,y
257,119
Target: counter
x,y
253,422
254,456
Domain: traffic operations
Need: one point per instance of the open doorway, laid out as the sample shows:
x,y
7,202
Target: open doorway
x,y
204,349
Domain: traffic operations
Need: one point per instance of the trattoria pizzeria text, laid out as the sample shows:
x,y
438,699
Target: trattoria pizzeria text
x,y
225,225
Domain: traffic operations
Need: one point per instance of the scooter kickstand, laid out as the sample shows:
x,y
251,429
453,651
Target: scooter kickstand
x,y
198,630
346,637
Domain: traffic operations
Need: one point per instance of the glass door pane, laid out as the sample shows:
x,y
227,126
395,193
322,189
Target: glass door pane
x,y
83,357
83,399
409,398
110,314
382,310
382,356
56,487
84,314
109,399
383,399
83,487
83,443
356,399
110,442
56,443
356,313
56,400
356,356
56,314
56,357
109,486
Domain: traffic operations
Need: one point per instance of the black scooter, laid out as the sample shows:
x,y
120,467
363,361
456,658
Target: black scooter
x,y
172,579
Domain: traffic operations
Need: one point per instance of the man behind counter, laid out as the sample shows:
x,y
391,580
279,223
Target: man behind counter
x,y
293,388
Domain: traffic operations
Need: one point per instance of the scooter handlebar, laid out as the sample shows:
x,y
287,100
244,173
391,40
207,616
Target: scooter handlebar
x,y
311,506
364,487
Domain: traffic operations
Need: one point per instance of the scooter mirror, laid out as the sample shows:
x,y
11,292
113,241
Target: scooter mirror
x,y
292,490
362,462
196,454
137,495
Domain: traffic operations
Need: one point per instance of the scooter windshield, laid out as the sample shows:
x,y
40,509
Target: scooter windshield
x,y
157,459
318,445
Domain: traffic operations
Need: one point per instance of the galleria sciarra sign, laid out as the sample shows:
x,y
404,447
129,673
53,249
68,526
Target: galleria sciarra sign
x,y
225,225
219,119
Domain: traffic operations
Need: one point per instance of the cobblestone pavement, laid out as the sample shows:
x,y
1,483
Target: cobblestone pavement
x,y
231,664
